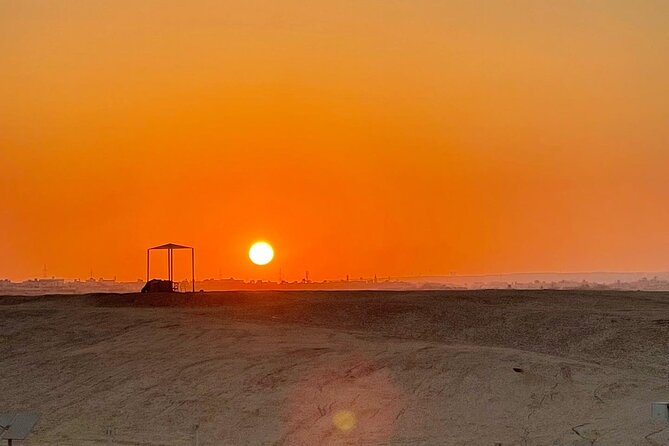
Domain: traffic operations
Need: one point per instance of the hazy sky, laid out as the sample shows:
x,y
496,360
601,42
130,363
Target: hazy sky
x,y
360,137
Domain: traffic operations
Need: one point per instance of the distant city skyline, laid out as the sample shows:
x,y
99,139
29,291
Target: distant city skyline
x,y
594,281
605,277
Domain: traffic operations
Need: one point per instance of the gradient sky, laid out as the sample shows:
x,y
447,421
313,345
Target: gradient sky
x,y
365,136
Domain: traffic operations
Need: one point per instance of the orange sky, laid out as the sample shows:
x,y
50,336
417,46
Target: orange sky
x,y
360,137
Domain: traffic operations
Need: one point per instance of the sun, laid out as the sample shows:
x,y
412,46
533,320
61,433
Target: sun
x,y
261,253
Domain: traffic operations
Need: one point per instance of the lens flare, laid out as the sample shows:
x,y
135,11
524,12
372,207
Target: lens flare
x,y
344,420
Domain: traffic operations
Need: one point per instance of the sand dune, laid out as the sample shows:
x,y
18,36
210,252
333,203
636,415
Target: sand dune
x,y
359,368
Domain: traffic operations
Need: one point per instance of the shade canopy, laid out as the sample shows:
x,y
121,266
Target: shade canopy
x,y
170,247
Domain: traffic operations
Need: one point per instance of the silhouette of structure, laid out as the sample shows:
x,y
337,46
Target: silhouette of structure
x,y
159,286
169,247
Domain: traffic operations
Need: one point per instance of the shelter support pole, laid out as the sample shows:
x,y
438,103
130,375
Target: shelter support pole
x,y
192,264
148,253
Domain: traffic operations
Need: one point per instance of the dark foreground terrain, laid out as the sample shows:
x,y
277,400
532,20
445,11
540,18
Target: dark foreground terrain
x,y
359,368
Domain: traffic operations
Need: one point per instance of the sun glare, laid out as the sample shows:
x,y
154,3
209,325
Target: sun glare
x,y
261,253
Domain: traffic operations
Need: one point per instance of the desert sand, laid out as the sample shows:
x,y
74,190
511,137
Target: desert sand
x,y
339,368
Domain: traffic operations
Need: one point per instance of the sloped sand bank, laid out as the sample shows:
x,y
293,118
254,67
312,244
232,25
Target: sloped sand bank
x,y
305,368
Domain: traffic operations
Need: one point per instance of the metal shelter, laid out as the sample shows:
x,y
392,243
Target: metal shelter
x,y
170,247
16,426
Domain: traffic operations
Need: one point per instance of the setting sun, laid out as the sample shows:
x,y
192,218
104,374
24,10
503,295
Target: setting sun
x,y
261,253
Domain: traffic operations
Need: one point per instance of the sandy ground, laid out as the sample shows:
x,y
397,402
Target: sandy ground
x,y
339,368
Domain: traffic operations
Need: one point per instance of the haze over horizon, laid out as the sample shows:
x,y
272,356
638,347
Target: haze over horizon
x,y
391,138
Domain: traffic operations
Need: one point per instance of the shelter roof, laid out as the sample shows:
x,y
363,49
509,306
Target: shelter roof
x,y
171,246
